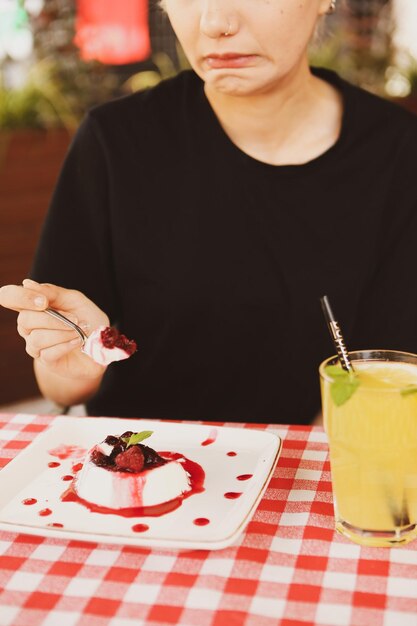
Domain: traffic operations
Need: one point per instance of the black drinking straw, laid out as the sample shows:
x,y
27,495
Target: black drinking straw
x,y
336,335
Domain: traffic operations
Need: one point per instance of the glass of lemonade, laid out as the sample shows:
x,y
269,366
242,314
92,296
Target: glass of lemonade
x,y
370,418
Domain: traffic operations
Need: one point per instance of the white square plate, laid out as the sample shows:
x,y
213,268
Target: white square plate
x,y
28,476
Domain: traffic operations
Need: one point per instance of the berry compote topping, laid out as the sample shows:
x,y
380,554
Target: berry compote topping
x,y
111,338
126,455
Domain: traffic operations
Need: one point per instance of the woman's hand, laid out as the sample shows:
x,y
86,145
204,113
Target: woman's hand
x,y
49,342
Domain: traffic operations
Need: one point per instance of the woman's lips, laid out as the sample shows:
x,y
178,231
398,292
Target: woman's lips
x,y
219,61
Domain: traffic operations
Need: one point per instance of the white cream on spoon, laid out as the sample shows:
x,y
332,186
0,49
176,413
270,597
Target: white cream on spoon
x,y
104,345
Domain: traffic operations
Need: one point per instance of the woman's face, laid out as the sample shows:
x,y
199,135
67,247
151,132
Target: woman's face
x,y
266,42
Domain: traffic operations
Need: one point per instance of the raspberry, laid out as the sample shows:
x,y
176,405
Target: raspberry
x,y
111,338
131,460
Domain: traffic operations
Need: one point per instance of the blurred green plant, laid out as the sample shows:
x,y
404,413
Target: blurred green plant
x,y
40,103
412,77
408,66
360,66
55,95
165,68
388,74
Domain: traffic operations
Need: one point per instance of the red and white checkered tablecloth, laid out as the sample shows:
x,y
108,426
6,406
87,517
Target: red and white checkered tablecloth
x,y
289,567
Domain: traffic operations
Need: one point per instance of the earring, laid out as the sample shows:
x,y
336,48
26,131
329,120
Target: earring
x,y
332,7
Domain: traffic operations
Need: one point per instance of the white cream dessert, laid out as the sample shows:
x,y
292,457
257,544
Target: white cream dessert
x,y
106,345
122,473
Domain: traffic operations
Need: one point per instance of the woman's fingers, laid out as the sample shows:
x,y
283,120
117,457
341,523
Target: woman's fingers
x,y
55,353
50,343
68,301
37,296
29,320
21,298
32,298
59,298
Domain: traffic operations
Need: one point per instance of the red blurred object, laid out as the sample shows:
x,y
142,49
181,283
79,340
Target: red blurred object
x,y
113,32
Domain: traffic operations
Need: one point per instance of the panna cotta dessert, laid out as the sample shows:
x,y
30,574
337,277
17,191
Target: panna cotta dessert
x,y
123,473
106,345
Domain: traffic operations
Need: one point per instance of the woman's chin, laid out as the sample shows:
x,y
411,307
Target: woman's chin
x,y
232,84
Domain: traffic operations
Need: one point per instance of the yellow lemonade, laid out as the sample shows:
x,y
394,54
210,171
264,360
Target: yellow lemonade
x,y
372,432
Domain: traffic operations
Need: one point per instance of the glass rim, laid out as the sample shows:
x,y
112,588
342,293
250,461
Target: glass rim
x,y
408,358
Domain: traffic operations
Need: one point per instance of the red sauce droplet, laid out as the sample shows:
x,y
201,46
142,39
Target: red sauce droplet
x,y
231,453
194,470
65,452
244,476
232,495
67,477
201,521
45,512
211,438
56,525
140,528
77,467
54,464
29,501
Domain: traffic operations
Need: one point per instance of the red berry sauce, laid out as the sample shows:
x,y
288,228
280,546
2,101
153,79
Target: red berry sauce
x,y
45,512
54,464
231,453
211,438
140,528
56,525
201,521
77,467
232,495
66,452
67,477
29,501
244,476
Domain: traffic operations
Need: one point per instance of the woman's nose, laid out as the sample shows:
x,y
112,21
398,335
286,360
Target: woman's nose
x,y
217,20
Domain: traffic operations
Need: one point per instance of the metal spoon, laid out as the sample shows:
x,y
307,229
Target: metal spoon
x,y
68,322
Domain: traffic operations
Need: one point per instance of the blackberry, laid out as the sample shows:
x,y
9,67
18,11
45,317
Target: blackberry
x,y
111,440
117,449
151,457
100,459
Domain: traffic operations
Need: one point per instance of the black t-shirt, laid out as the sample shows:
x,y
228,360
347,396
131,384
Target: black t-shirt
x,y
214,262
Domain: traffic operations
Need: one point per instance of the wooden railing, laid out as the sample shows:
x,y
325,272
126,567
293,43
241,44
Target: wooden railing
x,y
29,165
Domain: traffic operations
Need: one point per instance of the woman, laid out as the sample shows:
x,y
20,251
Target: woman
x,y
207,216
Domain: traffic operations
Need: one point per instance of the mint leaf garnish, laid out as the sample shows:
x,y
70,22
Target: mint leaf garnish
x,y
409,390
137,437
343,389
334,371
344,384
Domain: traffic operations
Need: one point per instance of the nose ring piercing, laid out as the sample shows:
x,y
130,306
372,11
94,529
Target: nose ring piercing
x,y
332,7
228,31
